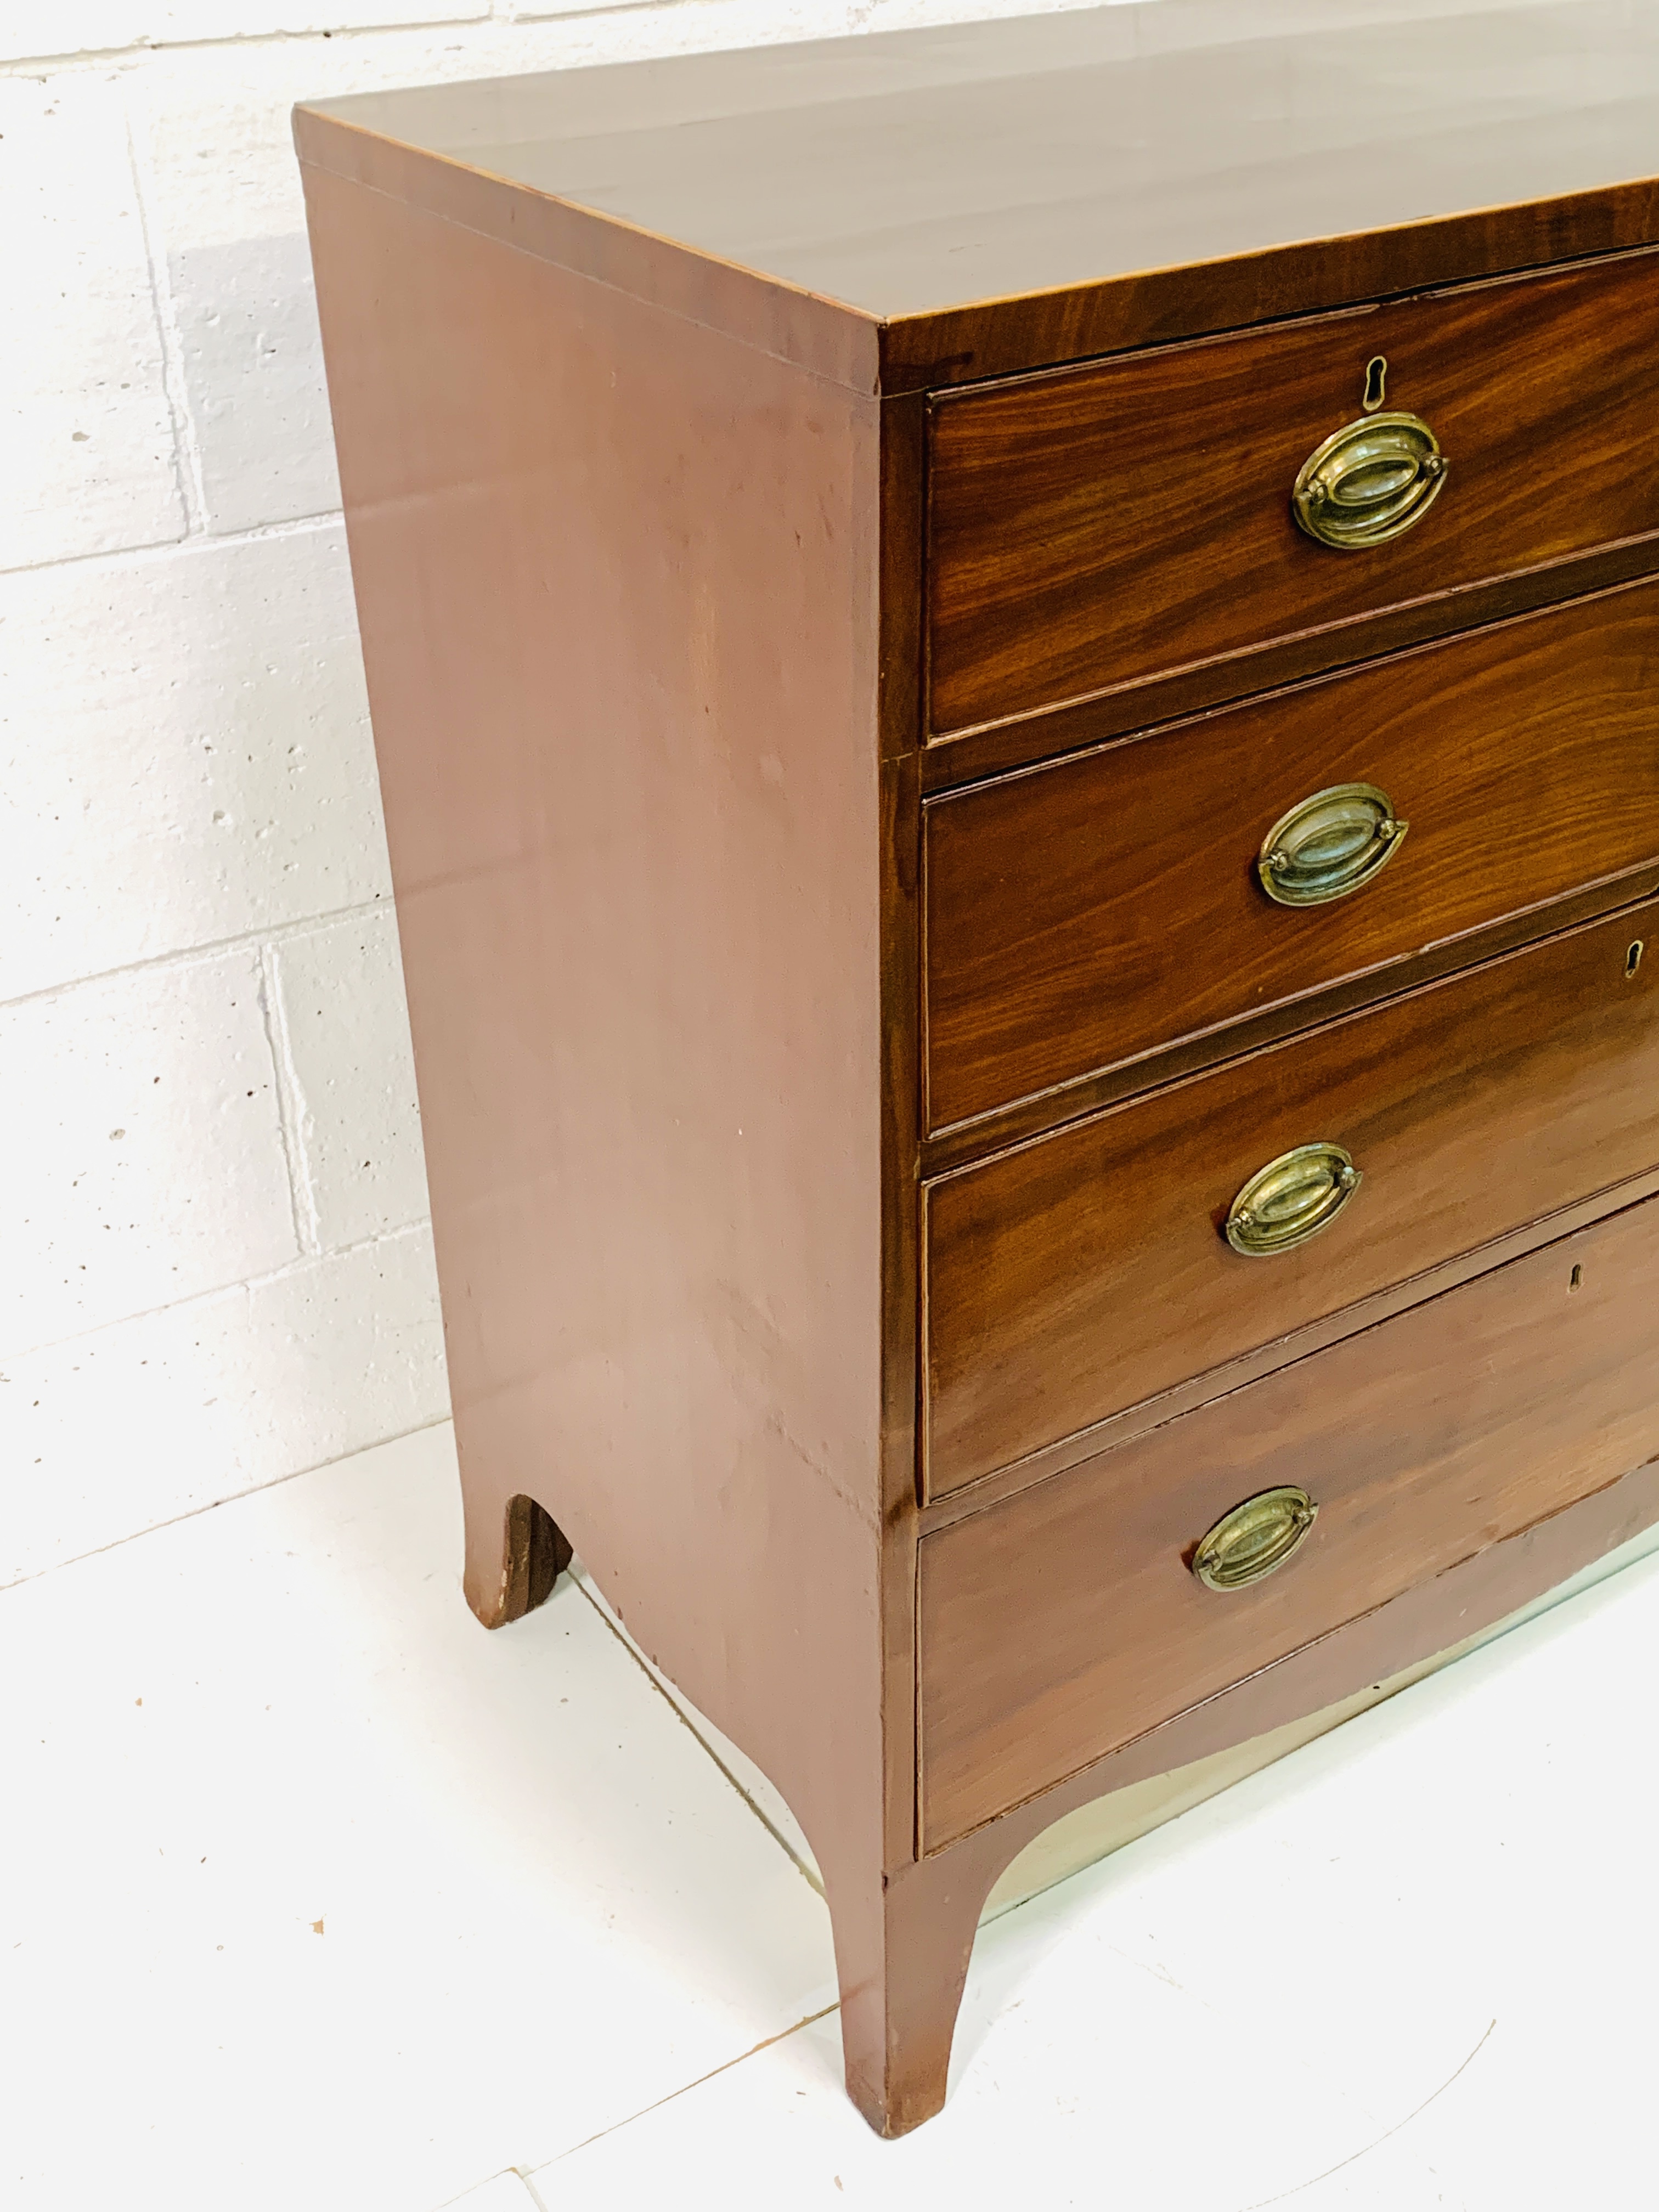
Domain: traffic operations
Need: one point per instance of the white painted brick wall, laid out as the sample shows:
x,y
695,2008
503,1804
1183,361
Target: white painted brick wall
x,y
349,1079
88,454
150,1165
215,1267
215,1264
184,754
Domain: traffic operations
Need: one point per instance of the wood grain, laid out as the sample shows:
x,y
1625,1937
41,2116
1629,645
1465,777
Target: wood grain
x,y
1213,1383
1086,1272
1095,527
1083,916
1065,1623
956,347
994,749
998,1132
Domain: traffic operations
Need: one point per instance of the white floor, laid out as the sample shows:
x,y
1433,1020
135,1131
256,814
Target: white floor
x,y
314,1895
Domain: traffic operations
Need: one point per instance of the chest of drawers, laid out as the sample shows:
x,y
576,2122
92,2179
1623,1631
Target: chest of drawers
x,y
1014,672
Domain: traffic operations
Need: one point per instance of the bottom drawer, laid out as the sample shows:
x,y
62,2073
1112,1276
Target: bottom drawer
x,y
1067,1621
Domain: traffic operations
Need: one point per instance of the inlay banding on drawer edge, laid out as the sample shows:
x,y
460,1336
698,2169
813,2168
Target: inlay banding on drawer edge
x,y
1065,1621
1086,1271
1083,914
1096,526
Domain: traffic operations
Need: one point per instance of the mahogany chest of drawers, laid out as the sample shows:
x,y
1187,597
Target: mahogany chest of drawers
x,y
1015,675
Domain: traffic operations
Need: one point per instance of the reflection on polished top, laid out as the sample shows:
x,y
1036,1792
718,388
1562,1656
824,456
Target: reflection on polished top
x,y
918,169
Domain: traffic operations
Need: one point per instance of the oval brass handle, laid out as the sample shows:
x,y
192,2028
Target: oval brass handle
x,y
1291,1200
1369,481
1246,1545
1329,845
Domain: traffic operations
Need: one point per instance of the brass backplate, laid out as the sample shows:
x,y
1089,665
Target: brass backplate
x,y
1256,1538
1289,1201
1369,481
1330,844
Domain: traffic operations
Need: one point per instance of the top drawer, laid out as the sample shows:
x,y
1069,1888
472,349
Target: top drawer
x,y
1099,526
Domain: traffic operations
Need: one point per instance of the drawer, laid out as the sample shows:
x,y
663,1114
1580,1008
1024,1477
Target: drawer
x,y
1088,1271
1065,1622
1080,915
1096,527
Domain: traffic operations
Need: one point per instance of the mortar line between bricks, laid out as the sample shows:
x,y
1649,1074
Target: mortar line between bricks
x,y
291,1109
161,549
230,1497
196,956
240,1288
187,472
337,34
845,20
547,21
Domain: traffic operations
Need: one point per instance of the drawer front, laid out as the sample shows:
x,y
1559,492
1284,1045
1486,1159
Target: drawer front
x,y
1080,915
1096,527
1066,1622
1088,1271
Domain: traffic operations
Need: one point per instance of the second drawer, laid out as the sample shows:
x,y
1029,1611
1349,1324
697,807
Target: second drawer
x,y
1088,1271
1085,915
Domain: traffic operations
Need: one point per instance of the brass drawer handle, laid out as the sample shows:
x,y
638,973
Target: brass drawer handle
x,y
1369,481
1247,1544
1329,845
1291,1200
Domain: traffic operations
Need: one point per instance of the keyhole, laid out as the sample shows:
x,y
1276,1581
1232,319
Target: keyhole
x,y
1633,959
1575,1281
1376,372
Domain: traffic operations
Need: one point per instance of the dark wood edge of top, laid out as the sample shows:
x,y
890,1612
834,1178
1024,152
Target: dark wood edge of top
x,y
1433,1616
821,337
1135,1421
953,346
1003,337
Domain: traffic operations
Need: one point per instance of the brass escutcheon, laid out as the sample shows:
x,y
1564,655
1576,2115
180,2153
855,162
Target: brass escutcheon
x,y
1247,1544
1369,481
1291,1200
1329,845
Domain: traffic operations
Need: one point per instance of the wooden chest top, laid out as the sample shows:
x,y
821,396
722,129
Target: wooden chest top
x,y
988,196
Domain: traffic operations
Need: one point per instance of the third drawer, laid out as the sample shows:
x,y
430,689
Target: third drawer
x,y
1089,1271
